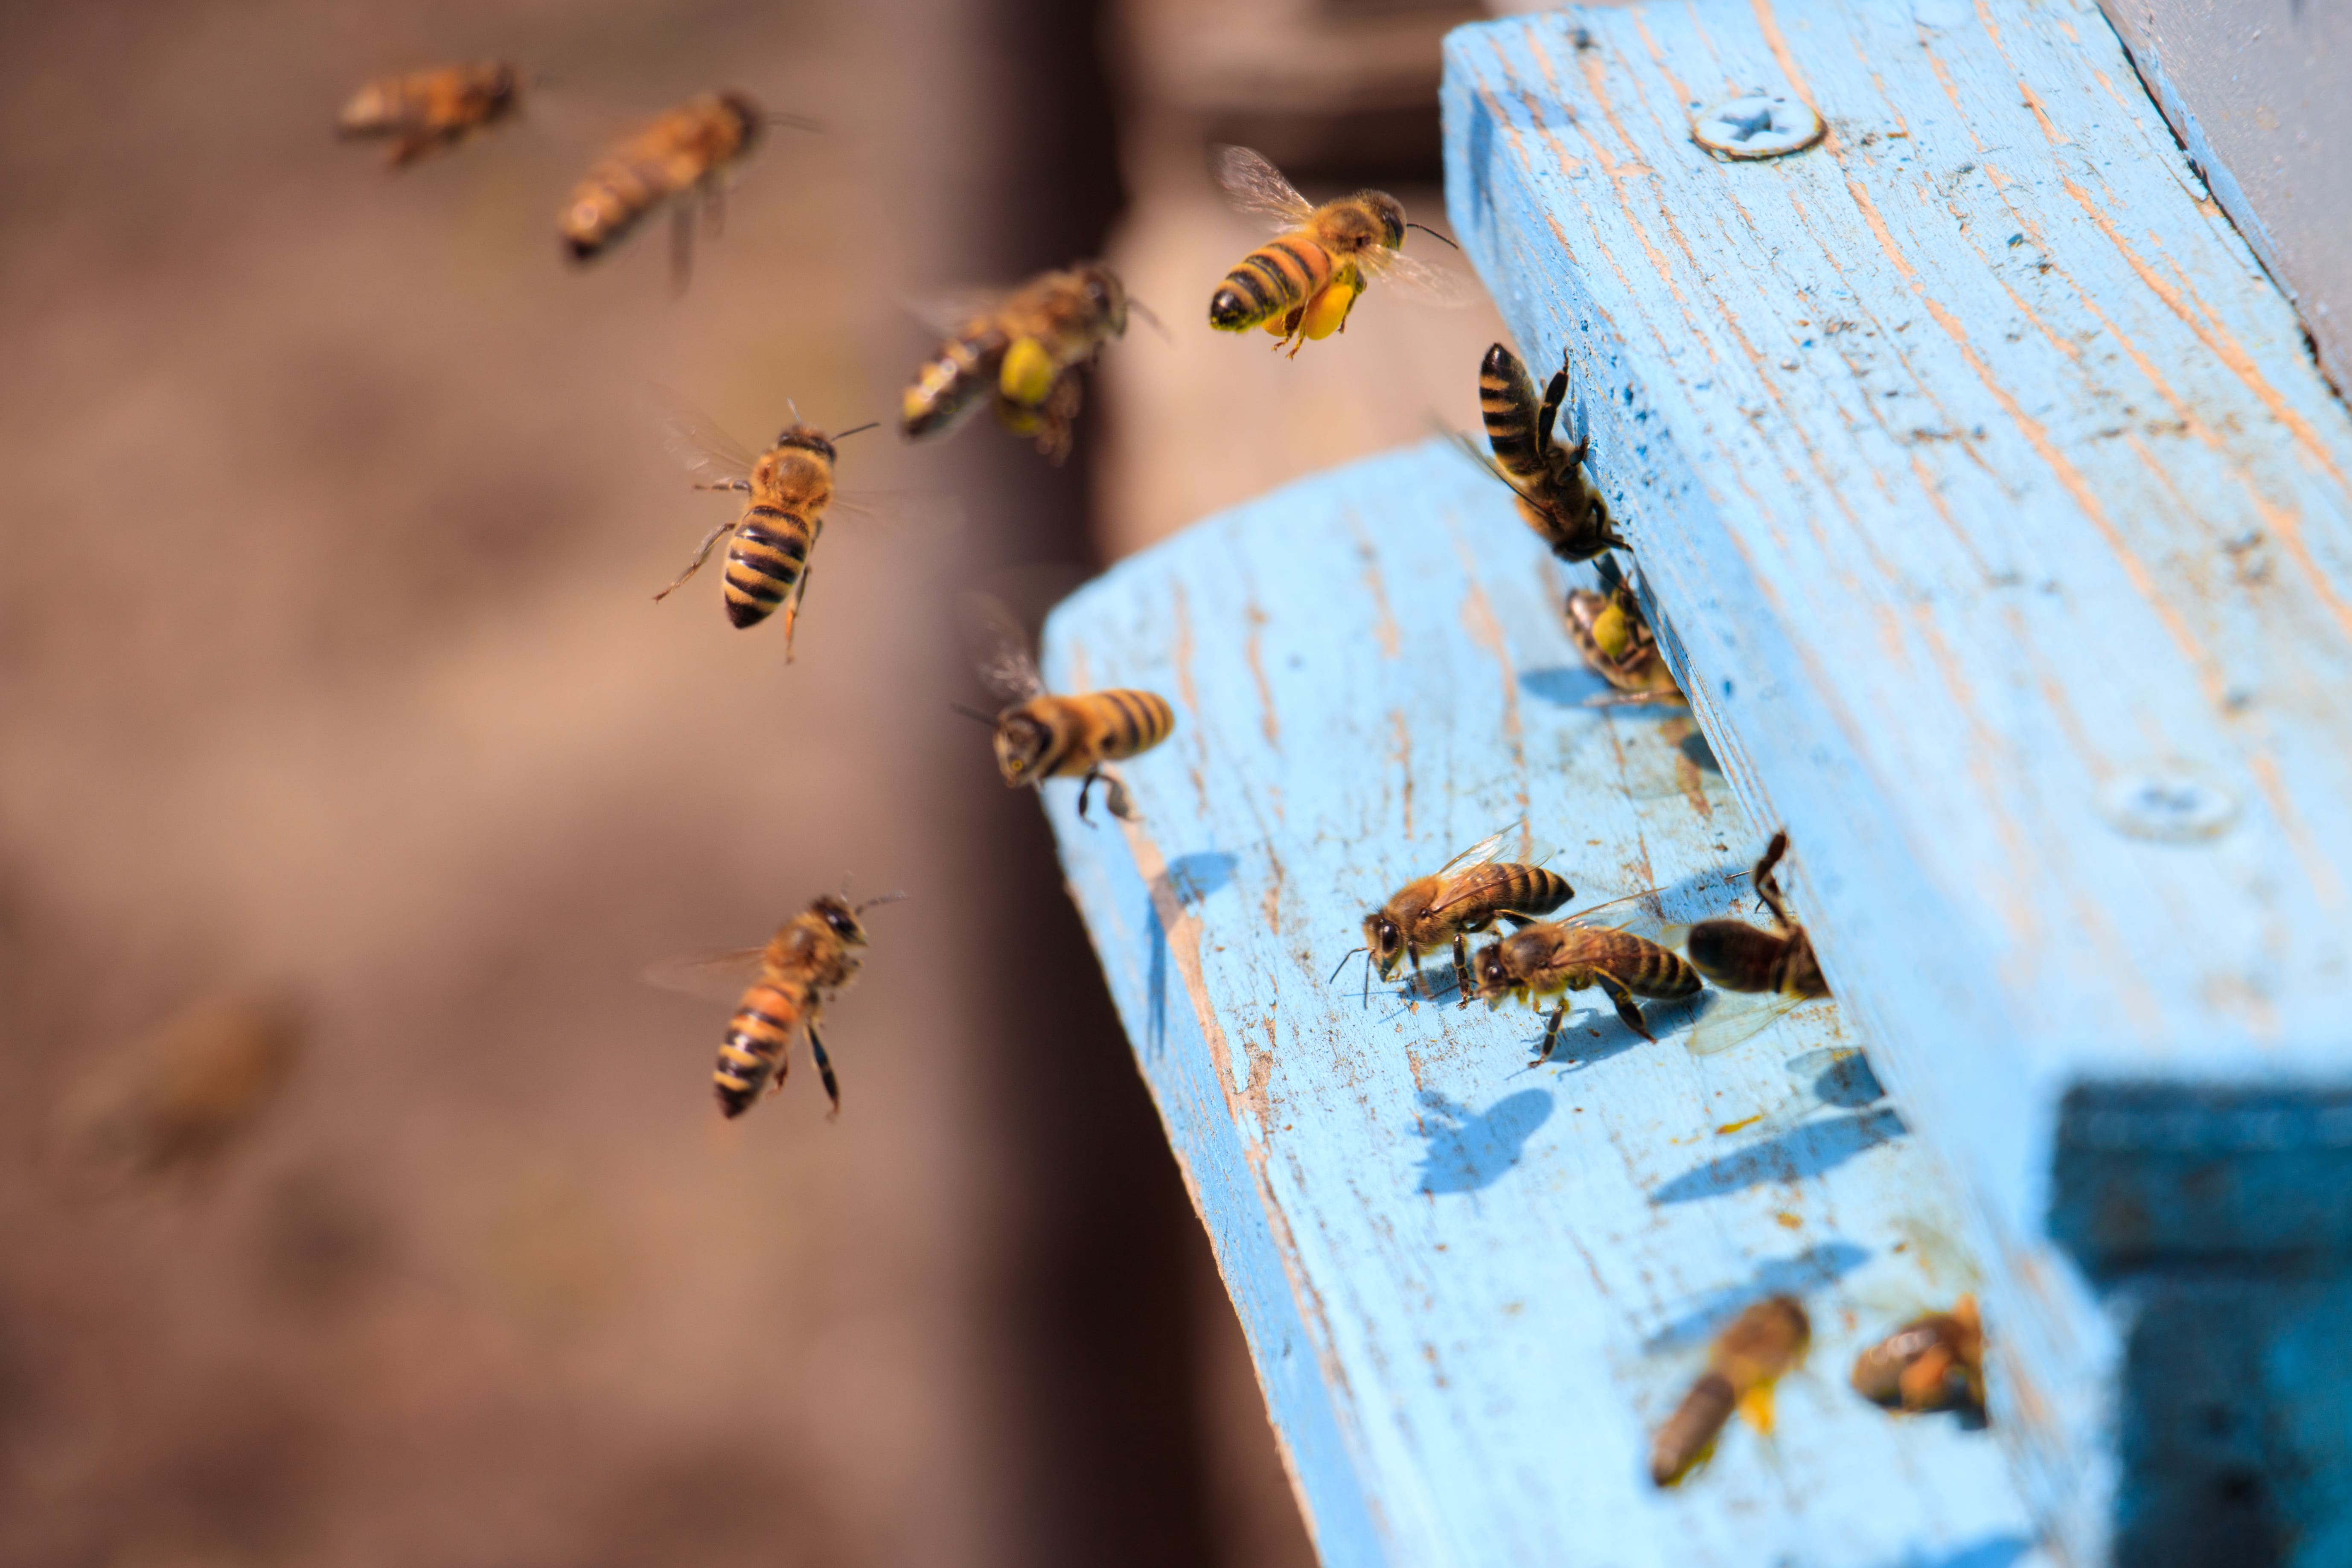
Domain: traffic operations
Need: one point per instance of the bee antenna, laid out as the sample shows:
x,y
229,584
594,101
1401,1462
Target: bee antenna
x,y
1432,233
883,899
857,429
793,121
1146,311
970,712
1342,963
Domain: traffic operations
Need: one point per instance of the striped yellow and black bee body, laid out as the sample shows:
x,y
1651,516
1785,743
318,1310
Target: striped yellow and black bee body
x,y
1741,957
1302,284
1051,737
1935,1361
1617,644
1023,354
1761,1345
1462,898
1554,958
683,156
790,486
1556,495
812,955
431,110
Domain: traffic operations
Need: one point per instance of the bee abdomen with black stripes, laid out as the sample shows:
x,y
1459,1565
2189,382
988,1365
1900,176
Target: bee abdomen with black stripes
x,y
758,1038
1275,278
769,554
1138,721
1507,401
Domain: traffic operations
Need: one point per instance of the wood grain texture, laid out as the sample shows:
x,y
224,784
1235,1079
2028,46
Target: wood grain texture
x,y
1998,524
1473,1288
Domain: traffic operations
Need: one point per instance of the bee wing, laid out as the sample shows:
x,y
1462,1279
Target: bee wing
x,y
947,311
999,650
1468,446
1256,186
1636,914
1478,854
1410,275
1733,1017
713,976
932,514
700,445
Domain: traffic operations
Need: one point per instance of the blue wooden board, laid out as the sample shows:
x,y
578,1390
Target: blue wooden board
x,y
1473,1289
1999,523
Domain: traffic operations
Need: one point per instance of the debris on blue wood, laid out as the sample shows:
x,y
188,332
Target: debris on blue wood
x,y
1994,515
1473,1288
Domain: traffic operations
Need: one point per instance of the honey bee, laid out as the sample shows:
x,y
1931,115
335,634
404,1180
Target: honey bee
x,y
1764,1341
175,1103
1932,1362
1617,644
812,956
1041,736
791,489
1303,283
431,110
1740,957
1554,958
1557,498
683,157
1464,896
1024,352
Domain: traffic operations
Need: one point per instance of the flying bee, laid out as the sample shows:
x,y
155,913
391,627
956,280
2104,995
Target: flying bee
x,y
1555,958
1761,1343
1932,1362
1617,644
1042,736
812,956
683,159
1460,898
1302,283
1557,498
431,110
1739,957
791,489
1024,351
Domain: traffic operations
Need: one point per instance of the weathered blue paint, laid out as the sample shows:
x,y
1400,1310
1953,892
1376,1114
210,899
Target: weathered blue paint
x,y
2000,525
1473,1289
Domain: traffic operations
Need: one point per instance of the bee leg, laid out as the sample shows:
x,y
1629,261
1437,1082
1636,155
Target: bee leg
x,y
824,1071
1551,1033
1461,970
1547,415
681,250
714,209
1622,1000
701,555
792,610
1115,795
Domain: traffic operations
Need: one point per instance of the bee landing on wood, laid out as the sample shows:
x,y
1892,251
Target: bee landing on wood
x,y
1022,352
1555,958
1042,736
1932,1363
431,110
1557,498
1763,1342
1617,644
1303,282
1463,897
1740,957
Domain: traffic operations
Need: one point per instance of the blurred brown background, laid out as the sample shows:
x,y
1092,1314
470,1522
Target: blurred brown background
x,y
328,665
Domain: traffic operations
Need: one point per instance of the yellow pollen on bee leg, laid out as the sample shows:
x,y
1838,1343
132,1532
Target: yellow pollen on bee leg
x,y
1328,312
1756,1407
1612,633
1028,372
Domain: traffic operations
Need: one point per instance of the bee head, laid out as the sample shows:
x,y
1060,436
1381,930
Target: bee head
x,y
749,117
1385,941
1105,292
808,439
501,84
1491,973
1390,214
1022,740
840,919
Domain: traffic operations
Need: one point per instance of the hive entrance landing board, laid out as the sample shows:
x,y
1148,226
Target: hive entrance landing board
x,y
1473,1289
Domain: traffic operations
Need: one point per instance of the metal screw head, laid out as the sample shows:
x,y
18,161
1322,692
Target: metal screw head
x,y
1760,125
2168,805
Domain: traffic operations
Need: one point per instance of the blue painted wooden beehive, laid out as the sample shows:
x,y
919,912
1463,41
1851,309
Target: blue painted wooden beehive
x,y
1997,524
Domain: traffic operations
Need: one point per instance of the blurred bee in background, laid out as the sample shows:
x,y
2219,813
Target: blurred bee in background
x,y
1617,644
683,157
1555,958
1463,897
1739,957
1022,351
812,956
1042,736
431,110
175,1103
791,489
1557,497
1763,1342
1303,283
1932,1362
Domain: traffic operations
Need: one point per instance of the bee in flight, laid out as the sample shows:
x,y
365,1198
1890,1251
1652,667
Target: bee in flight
x,y
1761,1343
1555,958
431,110
1463,897
1932,1362
812,957
1617,644
1556,495
1023,351
1042,736
1740,957
682,159
791,489
1302,283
